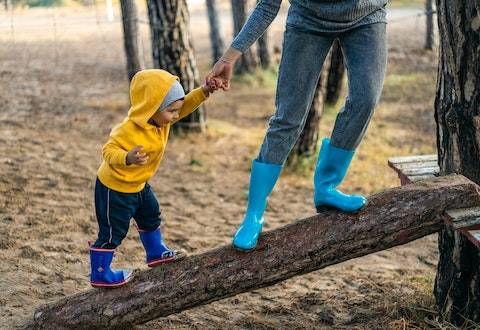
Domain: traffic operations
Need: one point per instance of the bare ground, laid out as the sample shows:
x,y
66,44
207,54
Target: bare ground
x,y
63,88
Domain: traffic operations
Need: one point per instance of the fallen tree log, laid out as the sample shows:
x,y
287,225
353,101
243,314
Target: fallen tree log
x,y
391,218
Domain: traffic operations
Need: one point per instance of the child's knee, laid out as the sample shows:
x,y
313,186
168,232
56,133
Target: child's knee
x,y
151,227
101,244
148,224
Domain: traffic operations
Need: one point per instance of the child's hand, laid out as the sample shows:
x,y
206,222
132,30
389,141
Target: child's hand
x,y
212,85
136,156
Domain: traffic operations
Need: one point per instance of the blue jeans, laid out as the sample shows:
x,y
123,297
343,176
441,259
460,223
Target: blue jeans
x,y
303,54
115,209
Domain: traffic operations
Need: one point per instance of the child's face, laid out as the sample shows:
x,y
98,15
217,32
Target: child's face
x,y
169,114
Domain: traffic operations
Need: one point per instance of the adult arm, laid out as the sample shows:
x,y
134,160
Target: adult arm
x,y
257,23
263,15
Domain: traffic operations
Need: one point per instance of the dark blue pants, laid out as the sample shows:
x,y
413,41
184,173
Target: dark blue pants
x,y
115,210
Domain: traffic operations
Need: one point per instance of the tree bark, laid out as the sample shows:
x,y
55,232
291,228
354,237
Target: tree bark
x,y
172,50
429,37
215,34
335,74
246,63
131,38
263,51
391,218
457,114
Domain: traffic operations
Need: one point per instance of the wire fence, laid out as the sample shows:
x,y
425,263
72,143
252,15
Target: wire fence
x,y
99,29
69,54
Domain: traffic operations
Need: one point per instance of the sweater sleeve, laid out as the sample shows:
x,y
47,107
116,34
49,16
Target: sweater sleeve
x,y
112,151
192,101
258,22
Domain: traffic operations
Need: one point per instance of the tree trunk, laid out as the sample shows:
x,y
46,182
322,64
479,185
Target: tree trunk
x,y
215,35
172,50
131,38
263,51
457,114
246,63
429,20
394,217
306,144
335,74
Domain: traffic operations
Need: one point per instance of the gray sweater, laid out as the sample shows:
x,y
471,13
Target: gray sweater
x,y
315,16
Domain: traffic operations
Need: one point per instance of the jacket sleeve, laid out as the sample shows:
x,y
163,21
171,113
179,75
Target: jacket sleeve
x,y
261,17
192,101
112,151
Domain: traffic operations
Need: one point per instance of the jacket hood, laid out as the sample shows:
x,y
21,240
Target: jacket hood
x,y
148,88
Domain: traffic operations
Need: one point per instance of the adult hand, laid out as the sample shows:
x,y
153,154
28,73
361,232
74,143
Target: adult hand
x,y
223,69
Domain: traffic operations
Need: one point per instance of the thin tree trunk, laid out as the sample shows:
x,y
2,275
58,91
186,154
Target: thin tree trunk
x,y
393,217
335,74
215,34
457,114
263,51
131,38
429,38
246,63
172,50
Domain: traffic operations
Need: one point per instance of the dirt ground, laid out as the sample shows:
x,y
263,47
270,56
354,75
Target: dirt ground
x,y
63,86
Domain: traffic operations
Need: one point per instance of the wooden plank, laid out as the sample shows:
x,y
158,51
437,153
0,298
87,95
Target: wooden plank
x,y
421,171
465,221
466,218
474,237
416,178
412,159
415,168
404,166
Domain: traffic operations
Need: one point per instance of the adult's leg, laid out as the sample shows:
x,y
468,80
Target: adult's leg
x,y
303,55
365,53
302,58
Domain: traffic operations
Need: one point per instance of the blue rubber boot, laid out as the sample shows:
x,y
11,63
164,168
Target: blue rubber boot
x,y
101,274
262,180
332,165
156,250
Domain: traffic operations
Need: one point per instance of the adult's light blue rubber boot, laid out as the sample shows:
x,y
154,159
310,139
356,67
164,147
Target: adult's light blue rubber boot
x,y
262,180
332,165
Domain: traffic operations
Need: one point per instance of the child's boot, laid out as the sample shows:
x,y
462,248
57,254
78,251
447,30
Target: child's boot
x,y
102,275
262,180
156,250
332,165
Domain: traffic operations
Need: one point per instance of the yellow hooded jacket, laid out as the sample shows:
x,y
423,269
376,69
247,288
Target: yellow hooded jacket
x,y
147,91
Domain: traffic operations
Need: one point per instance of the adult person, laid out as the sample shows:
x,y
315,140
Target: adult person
x,y
311,28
